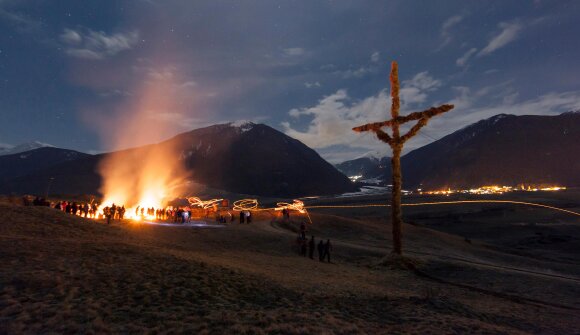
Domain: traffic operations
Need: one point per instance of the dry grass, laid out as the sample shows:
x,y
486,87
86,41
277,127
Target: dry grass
x,y
71,275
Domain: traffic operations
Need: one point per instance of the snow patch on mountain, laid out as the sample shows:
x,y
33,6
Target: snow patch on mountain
x,y
10,150
375,155
243,125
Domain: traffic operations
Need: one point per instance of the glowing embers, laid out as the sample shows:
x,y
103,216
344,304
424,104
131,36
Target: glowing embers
x,y
197,202
253,205
296,205
246,205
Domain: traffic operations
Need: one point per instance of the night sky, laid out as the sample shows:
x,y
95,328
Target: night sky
x,y
71,71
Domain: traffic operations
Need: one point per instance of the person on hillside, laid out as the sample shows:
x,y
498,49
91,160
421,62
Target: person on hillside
x,y
303,230
121,212
113,211
107,212
311,247
321,251
242,216
327,250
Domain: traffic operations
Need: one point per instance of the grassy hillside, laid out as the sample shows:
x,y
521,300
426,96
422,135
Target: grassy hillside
x,y
68,274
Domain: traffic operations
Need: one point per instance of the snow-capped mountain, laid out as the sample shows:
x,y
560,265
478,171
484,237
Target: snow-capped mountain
x,y
9,150
371,168
503,149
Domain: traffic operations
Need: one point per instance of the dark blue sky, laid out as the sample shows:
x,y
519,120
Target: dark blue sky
x,y
74,72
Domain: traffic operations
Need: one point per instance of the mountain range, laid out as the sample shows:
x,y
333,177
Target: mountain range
x,y
256,159
504,149
240,157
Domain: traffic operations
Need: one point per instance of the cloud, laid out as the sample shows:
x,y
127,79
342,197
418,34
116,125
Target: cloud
x,y
446,29
21,22
334,115
5,146
357,73
311,85
71,37
462,61
360,72
95,45
509,32
415,90
293,52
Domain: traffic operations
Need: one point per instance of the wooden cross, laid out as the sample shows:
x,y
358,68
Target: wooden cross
x,y
396,141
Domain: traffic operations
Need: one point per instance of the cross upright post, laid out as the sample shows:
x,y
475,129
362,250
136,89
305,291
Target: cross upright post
x,y
396,142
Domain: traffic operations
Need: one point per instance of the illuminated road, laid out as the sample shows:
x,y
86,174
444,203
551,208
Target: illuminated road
x,y
458,202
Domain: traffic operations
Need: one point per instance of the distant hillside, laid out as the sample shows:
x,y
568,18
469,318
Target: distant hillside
x,y
27,162
366,168
257,159
504,149
237,157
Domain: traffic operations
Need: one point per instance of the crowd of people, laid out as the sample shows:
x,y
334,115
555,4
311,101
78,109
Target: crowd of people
x,y
307,247
87,210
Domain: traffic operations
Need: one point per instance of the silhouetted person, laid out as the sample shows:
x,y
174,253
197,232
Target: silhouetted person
x,y
122,212
321,251
311,247
303,230
327,250
75,208
242,216
107,212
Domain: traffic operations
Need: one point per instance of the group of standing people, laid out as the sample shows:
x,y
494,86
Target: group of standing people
x,y
87,210
175,215
114,212
245,216
309,246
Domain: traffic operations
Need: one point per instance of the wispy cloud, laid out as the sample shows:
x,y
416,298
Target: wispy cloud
x,y
415,90
357,73
446,34
462,61
20,21
509,32
375,56
95,45
312,85
294,51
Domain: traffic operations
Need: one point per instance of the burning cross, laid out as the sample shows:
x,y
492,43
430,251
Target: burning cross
x,y
396,142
